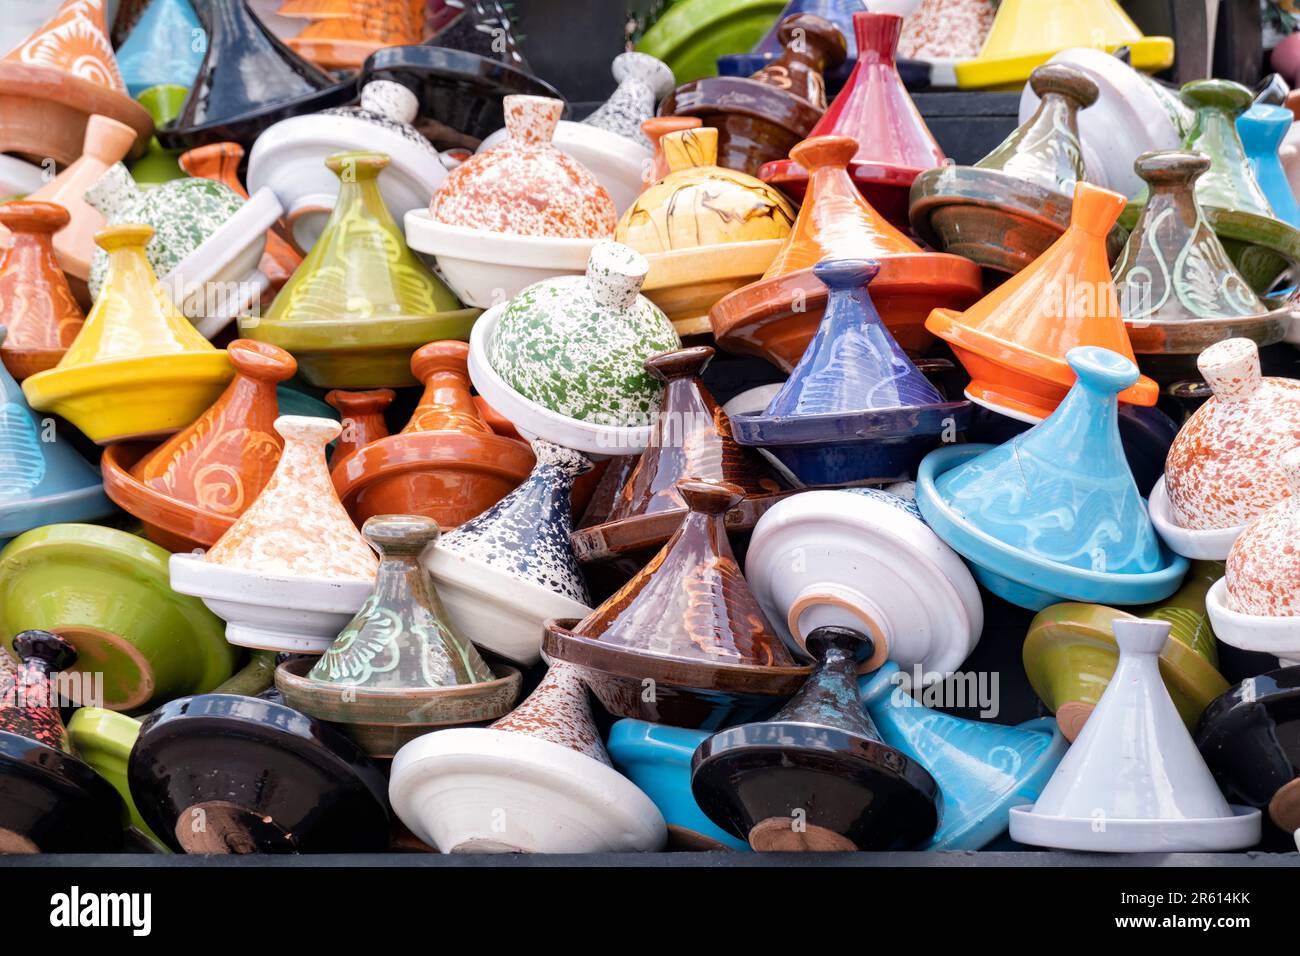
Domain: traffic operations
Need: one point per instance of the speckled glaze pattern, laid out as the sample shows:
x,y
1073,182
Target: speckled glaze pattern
x,y
1223,468
642,82
391,106
400,638
75,41
946,29
182,212
578,344
526,533
525,185
28,696
1263,570
297,526
558,711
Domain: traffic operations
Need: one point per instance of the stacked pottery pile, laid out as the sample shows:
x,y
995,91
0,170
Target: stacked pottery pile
x,y
361,302
775,318
514,214
893,144
705,230
1224,468
610,141
761,117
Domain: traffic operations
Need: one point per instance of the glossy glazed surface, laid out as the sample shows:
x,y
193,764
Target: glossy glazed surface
x,y
37,307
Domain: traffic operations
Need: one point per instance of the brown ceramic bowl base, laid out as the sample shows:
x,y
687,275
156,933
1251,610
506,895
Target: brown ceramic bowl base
x,y
682,840
692,694
778,835
884,185
1284,808
43,112
168,522
650,532
775,319
447,476
381,720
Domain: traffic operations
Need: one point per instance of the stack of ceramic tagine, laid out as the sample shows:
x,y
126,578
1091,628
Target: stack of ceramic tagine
x,y
396,457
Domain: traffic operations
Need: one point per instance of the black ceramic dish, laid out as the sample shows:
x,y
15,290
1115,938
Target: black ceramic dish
x,y
51,802
817,776
219,773
460,93
1250,739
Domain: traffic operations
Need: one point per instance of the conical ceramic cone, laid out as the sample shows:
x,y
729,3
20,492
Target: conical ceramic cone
x,y
297,526
1013,342
1026,33
983,768
446,404
558,711
36,305
1262,129
539,513
75,41
165,46
1134,759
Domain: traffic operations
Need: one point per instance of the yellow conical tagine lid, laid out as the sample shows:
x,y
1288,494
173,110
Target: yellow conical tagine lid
x,y
1028,33
705,230
138,369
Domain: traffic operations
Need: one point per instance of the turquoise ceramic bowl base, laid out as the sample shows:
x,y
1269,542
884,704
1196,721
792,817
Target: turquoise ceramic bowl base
x,y
1018,576
984,769
657,758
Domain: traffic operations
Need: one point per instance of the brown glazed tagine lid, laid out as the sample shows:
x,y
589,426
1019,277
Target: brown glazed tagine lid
x,y
1178,290
398,669
686,627
760,118
362,417
189,490
1005,211
775,318
692,440
52,801
36,304
220,163
446,464
59,77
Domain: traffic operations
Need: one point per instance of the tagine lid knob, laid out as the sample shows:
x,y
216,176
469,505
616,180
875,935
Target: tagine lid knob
x,y
846,273
125,235
1064,80
1095,210
1219,94
357,164
532,119
29,215
709,497
653,72
261,361
1141,635
1102,370
390,99
311,431
819,151
615,273
1232,369
351,403
1171,166
687,362
400,534
55,651
689,148
213,161
570,463
822,40
445,355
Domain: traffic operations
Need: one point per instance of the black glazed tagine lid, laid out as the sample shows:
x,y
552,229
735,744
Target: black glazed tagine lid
x,y
460,93
50,802
220,773
817,776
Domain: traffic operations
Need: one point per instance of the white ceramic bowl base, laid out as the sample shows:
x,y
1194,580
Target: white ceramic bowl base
x,y
298,615
220,280
1209,545
486,269
837,558
536,421
618,164
1279,636
493,610
289,159
476,790
1218,834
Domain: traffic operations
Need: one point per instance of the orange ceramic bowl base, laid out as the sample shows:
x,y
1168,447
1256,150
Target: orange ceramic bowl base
x,y
43,112
447,476
884,185
170,523
775,319
1013,380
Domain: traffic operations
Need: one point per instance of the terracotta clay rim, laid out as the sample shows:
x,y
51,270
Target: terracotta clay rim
x,y
151,507
773,298
1284,808
301,691
563,644
24,363
120,647
436,450
600,542
770,836
39,82
880,643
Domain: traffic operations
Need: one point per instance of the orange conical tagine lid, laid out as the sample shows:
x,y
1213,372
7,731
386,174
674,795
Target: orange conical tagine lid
x,y
1013,342
76,42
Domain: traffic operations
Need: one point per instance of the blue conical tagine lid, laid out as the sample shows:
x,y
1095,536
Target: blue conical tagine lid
x,y
1262,129
1054,512
984,769
166,45
853,384
42,478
